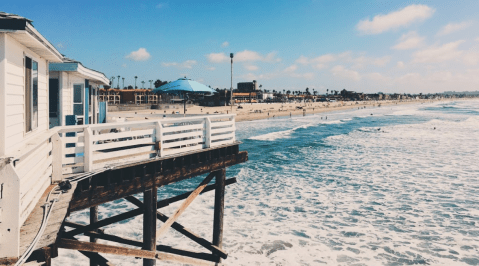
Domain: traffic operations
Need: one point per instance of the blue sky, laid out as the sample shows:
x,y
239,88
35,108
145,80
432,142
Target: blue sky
x,y
366,46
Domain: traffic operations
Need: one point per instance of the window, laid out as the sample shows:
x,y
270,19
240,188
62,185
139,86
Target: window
x,y
31,94
78,100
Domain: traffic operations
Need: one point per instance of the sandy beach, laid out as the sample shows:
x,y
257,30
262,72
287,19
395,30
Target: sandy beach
x,y
256,111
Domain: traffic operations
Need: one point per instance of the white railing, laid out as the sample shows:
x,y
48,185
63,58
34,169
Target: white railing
x,y
86,148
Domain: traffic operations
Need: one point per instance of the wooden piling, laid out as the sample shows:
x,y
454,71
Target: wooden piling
x,y
219,208
149,223
93,219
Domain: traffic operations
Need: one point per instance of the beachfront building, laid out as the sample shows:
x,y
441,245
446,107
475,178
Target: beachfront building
x,y
111,96
247,86
74,91
24,105
24,75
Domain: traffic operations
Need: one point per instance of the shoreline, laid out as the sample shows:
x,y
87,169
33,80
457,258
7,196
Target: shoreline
x,y
258,111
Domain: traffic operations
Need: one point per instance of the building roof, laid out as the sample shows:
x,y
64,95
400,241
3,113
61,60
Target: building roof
x,y
22,30
71,65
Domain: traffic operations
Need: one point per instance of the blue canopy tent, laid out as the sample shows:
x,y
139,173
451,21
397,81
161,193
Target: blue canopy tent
x,y
185,86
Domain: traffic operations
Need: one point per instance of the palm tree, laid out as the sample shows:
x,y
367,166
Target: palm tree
x,y
118,85
327,91
135,81
123,82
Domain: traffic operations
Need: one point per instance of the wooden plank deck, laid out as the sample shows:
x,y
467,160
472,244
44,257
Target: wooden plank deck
x,y
32,225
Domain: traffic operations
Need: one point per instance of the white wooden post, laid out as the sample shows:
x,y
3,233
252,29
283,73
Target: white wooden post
x,y
234,127
9,211
158,138
207,132
88,150
57,153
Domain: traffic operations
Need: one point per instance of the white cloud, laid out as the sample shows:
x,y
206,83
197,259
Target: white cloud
x,y
140,55
225,44
382,61
251,67
211,68
187,64
320,66
452,27
400,64
247,56
471,58
477,39
408,41
341,72
266,76
161,5
377,77
60,45
252,56
437,54
217,57
304,60
362,61
271,57
290,69
395,19
308,75
124,65
323,59
444,80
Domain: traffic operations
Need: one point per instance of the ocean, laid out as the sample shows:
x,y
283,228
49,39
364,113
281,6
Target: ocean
x,y
390,185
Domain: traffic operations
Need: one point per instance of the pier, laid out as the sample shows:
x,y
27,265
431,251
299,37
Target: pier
x,y
72,168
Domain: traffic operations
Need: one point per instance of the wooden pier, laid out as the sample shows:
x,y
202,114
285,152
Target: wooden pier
x,y
89,165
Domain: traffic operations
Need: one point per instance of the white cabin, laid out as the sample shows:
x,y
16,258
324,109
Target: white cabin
x,y
24,58
74,91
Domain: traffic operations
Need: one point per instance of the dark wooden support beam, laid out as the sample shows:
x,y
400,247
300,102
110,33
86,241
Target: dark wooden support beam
x,y
82,200
132,213
104,222
184,205
219,208
185,231
93,219
115,250
99,259
149,223
135,243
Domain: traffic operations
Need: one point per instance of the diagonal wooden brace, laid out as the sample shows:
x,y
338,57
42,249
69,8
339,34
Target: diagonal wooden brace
x,y
115,250
184,205
185,231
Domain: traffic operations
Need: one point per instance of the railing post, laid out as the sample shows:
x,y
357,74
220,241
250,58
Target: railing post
x,y
158,138
10,210
233,117
57,153
88,150
208,132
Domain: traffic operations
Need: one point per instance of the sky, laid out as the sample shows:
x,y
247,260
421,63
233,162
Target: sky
x,y
364,46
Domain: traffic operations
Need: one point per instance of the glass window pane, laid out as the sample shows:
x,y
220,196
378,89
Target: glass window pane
x,y
77,94
35,94
78,109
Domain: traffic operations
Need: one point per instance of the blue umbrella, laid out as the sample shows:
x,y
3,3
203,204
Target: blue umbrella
x,y
184,85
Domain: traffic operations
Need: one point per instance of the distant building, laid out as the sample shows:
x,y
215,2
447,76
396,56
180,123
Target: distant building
x,y
247,86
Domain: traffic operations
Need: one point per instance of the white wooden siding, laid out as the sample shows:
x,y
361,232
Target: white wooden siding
x,y
15,94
